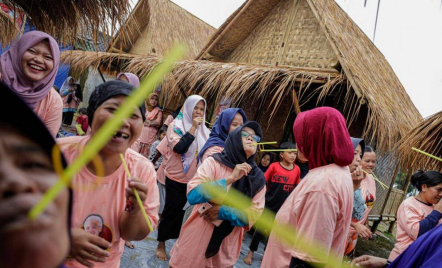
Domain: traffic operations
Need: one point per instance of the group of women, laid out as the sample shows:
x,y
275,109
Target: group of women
x,y
87,224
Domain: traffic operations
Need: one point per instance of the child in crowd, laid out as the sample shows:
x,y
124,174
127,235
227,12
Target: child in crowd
x,y
82,122
281,178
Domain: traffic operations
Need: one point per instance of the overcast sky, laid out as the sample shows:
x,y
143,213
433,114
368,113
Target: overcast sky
x,y
409,34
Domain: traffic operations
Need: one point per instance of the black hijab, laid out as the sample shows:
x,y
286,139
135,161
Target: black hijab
x,y
356,142
249,185
107,90
263,168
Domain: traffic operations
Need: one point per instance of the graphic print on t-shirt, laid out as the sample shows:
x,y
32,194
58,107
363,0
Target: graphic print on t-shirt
x,y
369,199
94,224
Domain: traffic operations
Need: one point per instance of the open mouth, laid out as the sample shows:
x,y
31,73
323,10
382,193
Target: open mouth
x,y
120,136
36,68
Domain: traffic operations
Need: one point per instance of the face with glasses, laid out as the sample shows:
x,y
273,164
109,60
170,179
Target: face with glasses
x,y
249,140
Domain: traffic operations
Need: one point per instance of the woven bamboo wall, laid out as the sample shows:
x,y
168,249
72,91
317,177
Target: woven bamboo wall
x,y
290,35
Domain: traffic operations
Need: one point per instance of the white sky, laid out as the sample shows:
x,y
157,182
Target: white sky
x,y
409,34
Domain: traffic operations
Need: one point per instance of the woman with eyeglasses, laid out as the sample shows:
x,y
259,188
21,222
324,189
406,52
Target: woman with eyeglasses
x,y
213,238
185,138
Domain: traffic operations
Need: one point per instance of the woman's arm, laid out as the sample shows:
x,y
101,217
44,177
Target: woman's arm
x,y
184,143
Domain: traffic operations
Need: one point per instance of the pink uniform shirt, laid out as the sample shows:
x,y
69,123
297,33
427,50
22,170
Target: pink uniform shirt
x,y
174,166
409,214
320,209
162,148
50,111
189,250
149,134
103,199
211,151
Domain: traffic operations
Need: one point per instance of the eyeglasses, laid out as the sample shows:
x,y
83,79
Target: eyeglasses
x,y
246,134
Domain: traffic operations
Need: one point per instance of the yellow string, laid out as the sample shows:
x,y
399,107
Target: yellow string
x,y
427,154
376,179
137,196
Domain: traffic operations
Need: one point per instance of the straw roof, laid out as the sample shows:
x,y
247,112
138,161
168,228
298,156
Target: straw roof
x,y
9,29
155,25
427,136
319,34
65,19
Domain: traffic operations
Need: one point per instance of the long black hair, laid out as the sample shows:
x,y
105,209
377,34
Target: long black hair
x,y
430,178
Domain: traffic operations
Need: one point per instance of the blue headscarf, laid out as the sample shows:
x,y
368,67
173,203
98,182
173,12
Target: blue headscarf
x,y
220,130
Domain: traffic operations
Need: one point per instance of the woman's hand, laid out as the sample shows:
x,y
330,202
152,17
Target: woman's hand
x,y
211,214
239,171
88,247
147,123
363,231
357,176
197,122
142,191
369,262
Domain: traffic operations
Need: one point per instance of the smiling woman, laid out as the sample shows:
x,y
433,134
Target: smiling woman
x,y
29,68
26,173
106,210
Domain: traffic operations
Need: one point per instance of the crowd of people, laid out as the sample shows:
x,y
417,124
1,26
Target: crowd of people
x,y
321,184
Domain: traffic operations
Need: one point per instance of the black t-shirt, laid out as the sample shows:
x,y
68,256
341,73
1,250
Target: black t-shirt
x,y
280,183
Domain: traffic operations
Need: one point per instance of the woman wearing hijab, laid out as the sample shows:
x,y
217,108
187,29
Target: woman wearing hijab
x,y
26,173
29,68
228,120
425,252
320,207
129,78
154,117
266,160
185,137
105,208
201,243
358,201
70,101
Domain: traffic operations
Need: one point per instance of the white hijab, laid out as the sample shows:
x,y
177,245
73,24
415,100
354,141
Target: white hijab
x,y
183,123
66,85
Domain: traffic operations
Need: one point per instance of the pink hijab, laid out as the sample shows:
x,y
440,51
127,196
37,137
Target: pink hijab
x,y
10,68
133,79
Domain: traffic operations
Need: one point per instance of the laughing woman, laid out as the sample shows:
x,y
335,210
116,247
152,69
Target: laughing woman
x,y
26,173
105,209
201,244
29,68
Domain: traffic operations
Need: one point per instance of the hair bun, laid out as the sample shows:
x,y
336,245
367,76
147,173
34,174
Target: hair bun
x,y
416,178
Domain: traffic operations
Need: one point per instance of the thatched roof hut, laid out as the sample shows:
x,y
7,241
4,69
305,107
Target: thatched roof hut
x,y
427,136
155,25
66,20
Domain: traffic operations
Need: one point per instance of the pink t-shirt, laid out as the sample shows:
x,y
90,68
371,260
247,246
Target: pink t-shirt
x,y
174,166
50,111
368,190
324,197
162,148
409,214
103,199
168,120
211,151
149,134
189,249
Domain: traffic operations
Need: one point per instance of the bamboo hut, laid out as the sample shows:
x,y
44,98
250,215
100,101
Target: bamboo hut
x,y
427,136
275,58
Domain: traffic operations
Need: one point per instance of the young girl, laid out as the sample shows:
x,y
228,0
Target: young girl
x,y
154,117
82,123
266,160
418,214
228,120
111,197
320,207
29,68
26,173
185,137
201,244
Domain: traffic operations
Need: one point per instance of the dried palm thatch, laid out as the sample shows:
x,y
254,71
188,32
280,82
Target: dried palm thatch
x,y
9,29
156,25
64,19
391,113
427,136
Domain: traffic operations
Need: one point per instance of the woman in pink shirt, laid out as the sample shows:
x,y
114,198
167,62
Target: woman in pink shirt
x,y
201,243
320,207
154,117
228,120
26,173
185,137
105,210
418,214
29,68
